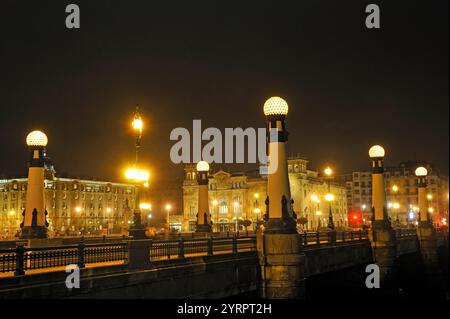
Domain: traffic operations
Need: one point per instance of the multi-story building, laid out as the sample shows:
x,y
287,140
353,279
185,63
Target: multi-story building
x,y
236,197
73,205
401,192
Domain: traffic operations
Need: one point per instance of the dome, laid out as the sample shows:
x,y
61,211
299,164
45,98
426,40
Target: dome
x,y
376,151
421,171
202,166
276,106
37,138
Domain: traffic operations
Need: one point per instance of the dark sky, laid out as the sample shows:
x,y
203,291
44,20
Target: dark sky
x,y
348,87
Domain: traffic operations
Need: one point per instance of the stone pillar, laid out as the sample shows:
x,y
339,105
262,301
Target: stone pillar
x,y
139,254
382,236
203,215
427,234
279,245
34,225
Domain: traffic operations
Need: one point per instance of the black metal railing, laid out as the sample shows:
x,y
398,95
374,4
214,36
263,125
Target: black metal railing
x,y
184,248
332,237
405,232
21,258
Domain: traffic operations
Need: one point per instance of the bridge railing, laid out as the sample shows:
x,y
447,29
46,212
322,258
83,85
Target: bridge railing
x,y
333,237
405,232
21,259
183,248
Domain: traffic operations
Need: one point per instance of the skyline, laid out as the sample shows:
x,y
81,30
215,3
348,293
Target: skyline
x,y
207,61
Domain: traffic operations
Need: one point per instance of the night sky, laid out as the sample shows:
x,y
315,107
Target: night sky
x,y
348,87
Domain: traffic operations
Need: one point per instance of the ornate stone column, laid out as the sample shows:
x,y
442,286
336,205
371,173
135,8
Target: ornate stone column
x,y
382,236
34,225
279,245
203,215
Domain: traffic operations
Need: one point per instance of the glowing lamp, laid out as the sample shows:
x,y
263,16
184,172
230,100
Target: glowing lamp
x,y
215,202
202,166
276,106
145,206
376,151
328,171
137,175
329,197
421,171
37,138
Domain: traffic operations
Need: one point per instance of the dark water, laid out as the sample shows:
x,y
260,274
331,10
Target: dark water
x,y
411,282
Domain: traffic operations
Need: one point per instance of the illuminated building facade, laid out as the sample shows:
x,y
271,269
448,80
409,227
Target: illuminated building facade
x,y
237,197
73,205
401,192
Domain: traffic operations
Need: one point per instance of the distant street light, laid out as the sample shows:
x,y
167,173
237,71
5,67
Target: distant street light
x,y
215,204
168,208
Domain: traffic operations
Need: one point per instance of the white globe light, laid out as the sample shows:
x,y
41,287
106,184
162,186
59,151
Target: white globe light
x,y
421,171
276,106
376,151
202,166
37,138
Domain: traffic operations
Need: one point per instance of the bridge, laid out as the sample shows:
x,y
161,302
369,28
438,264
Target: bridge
x,y
187,266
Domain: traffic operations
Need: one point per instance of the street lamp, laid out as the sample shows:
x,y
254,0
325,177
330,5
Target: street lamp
x,y
330,198
35,223
168,208
395,188
380,218
215,204
280,213
421,173
203,214
236,205
138,176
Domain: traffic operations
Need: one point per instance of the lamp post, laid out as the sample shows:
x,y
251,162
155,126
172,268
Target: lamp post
x,y
376,153
215,204
422,183
279,205
235,207
35,223
203,215
139,177
382,236
330,198
168,209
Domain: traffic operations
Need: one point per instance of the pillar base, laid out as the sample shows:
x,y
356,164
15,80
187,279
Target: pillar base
x,y
281,226
429,251
384,250
205,228
428,243
137,232
282,266
34,232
